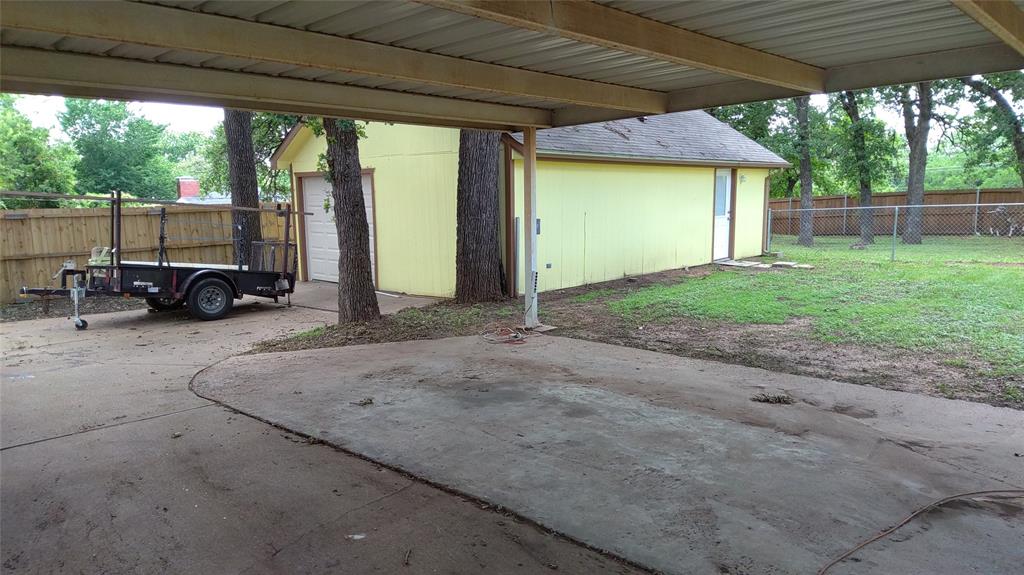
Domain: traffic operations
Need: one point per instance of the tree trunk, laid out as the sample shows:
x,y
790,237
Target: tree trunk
x,y
806,237
1013,121
357,299
791,183
478,274
245,191
866,216
916,126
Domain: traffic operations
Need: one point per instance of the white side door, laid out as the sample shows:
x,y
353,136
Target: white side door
x,y
723,213
321,233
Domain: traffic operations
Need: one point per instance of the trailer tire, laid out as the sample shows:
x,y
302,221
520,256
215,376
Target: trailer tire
x,y
165,303
210,299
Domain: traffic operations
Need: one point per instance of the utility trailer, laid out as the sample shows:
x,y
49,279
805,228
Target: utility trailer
x,y
207,289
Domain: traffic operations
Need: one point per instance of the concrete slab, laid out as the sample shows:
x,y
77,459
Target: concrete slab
x,y
324,296
110,465
233,495
660,459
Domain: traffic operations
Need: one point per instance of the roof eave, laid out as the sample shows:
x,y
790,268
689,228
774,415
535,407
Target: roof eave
x,y
285,143
564,155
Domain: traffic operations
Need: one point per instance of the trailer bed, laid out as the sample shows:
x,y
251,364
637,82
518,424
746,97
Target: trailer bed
x,y
243,268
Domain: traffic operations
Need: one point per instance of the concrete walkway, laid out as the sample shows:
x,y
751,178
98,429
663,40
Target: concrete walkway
x,y
109,464
660,459
324,296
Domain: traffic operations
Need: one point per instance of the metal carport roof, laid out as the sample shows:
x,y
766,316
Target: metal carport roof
x,y
497,64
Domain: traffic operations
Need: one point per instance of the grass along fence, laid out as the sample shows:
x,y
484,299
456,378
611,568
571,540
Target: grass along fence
x,y
35,243
931,198
946,232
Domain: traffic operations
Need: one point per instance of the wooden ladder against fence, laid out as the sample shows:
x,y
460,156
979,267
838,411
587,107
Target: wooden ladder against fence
x,y
35,243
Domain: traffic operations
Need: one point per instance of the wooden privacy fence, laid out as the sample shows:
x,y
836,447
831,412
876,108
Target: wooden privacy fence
x,y
832,219
35,243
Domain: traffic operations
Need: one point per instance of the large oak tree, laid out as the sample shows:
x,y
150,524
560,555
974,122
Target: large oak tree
x,y
478,275
803,135
357,299
917,107
245,191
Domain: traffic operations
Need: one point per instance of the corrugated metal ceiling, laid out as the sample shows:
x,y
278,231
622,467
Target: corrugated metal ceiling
x,y
824,33
203,60
428,29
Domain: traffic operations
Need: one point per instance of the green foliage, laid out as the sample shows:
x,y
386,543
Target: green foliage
x,y
952,167
268,130
972,149
28,162
968,308
119,150
986,136
316,125
773,125
882,146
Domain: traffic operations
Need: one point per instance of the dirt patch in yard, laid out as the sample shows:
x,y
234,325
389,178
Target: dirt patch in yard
x,y
584,313
789,348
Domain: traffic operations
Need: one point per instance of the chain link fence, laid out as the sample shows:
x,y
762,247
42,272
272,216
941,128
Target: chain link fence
x,y
958,232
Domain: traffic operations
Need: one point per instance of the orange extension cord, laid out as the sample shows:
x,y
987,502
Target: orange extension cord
x,y
1000,493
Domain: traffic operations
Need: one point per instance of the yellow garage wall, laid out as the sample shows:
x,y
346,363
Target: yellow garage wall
x,y
415,177
750,212
602,221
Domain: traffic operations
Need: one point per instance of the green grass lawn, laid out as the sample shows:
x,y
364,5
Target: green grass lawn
x,y
932,249
944,296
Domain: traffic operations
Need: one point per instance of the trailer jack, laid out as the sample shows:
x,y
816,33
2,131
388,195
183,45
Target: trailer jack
x,y
77,295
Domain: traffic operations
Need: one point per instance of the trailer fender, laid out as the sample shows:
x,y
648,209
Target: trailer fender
x,y
205,274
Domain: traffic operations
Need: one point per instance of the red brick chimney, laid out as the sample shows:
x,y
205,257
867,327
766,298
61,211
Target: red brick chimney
x,y
188,188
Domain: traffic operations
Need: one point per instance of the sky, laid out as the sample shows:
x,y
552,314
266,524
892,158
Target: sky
x,y
43,110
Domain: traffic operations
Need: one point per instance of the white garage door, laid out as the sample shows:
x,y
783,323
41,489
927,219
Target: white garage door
x,y
321,235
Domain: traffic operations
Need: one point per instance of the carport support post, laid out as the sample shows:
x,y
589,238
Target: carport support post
x,y
530,222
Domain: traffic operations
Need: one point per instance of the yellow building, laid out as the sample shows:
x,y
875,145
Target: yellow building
x,y
614,199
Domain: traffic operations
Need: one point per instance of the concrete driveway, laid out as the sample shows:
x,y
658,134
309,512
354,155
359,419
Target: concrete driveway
x,y
109,464
324,296
661,459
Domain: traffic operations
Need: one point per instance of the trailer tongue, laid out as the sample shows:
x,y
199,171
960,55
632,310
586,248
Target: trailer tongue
x,y
208,289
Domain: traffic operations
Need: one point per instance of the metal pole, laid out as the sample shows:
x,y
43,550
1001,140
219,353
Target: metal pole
x,y
895,223
977,206
789,218
238,244
287,232
768,242
117,228
111,225
161,256
845,205
530,221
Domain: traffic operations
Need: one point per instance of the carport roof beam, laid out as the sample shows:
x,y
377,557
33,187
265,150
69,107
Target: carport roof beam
x,y
46,71
603,26
179,29
1001,17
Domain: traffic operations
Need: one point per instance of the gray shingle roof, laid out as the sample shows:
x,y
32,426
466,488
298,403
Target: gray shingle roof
x,y
680,137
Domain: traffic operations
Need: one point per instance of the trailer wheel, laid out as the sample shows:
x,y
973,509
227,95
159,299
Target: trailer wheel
x,y
210,299
81,324
165,303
